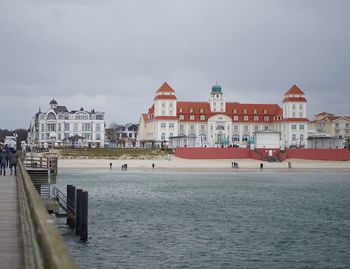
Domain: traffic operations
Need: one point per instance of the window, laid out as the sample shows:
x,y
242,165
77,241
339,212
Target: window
x,y
234,111
235,118
191,110
337,125
171,135
170,112
255,111
171,104
181,117
301,114
256,128
51,127
244,111
293,114
300,106
163,104
294,127
51,116
192,128
346,125
301,137
181,128
163,112
42,127
266,118
171,125
99,117
98,127
163,125
59,128
265,111
246,128
98,136
245,137
180,109
301,127
235,137
75,127
191,117
293,106
245,118
202,117
235,128
59,136
163,136
294,137
201,110
256,118
202,127
266,127
66,126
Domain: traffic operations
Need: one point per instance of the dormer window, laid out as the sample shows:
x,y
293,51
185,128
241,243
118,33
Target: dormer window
x,y
266,118
191,117
265,111
191,110
181,117
180,109
244,111
201,110
256,118
202,117
234,111
245,118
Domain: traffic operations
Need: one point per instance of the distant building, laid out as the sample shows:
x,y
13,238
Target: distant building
x,y
60,127
122,135
329,131
216,122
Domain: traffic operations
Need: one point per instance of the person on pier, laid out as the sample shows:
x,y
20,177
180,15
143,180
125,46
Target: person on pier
x,y
3,163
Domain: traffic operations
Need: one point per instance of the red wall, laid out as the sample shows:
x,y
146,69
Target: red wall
x,y
319,154
244,153
212,153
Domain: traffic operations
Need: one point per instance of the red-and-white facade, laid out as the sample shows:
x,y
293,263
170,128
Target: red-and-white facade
x,y
217,122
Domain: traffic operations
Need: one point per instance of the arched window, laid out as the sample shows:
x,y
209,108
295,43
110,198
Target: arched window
x,y
294,137
220,128
51,116
245,137
98,127
235,137
301,137
75,127
59,127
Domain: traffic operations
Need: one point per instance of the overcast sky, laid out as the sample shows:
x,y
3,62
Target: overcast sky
x,y
113,55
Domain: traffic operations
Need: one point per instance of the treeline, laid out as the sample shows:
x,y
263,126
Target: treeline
x,y
22,135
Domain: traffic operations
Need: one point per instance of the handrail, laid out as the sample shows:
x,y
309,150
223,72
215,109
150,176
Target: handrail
x,y
42,244
63,202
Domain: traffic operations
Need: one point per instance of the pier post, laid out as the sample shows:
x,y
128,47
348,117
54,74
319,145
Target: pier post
x,y
70,204
84,216
78,212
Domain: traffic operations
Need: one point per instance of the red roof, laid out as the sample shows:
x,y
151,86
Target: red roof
x,y
165,88
296,119
294,99
166,118
165,97
294,90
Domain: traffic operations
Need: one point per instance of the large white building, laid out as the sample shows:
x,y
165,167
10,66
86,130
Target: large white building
x,y
214,123
60,127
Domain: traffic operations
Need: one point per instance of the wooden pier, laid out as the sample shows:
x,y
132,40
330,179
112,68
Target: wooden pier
x,y
28,237
11,251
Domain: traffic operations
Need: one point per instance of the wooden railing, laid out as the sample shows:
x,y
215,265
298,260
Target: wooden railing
x,y
43,246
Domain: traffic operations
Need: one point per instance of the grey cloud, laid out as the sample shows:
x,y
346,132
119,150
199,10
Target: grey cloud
x,y
118,53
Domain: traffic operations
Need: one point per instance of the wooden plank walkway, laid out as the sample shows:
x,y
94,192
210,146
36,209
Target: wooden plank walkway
x,y
11,253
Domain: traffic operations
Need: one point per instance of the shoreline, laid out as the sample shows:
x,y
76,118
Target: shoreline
x,y
175,164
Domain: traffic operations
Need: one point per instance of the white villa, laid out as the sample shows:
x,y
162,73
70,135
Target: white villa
x,y
217,122
60,127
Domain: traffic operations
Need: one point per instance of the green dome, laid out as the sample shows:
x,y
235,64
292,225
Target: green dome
x,y
216,89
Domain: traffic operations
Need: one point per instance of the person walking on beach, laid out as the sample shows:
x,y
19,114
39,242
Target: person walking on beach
x,y
152,165
261,165
3,162
110,165
289,165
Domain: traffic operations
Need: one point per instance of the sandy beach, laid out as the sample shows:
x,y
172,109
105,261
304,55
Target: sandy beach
x,y
213,165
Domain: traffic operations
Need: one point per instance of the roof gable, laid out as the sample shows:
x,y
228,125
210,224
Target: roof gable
x,y
165,88
294,90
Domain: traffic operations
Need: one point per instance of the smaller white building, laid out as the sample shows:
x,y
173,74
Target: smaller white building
x,y
268,139
321,140
63,128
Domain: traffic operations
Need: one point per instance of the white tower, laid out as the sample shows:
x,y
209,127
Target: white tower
x,y
216,100
294,103
165,102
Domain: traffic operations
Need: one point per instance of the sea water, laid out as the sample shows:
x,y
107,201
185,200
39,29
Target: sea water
x,y
212,220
